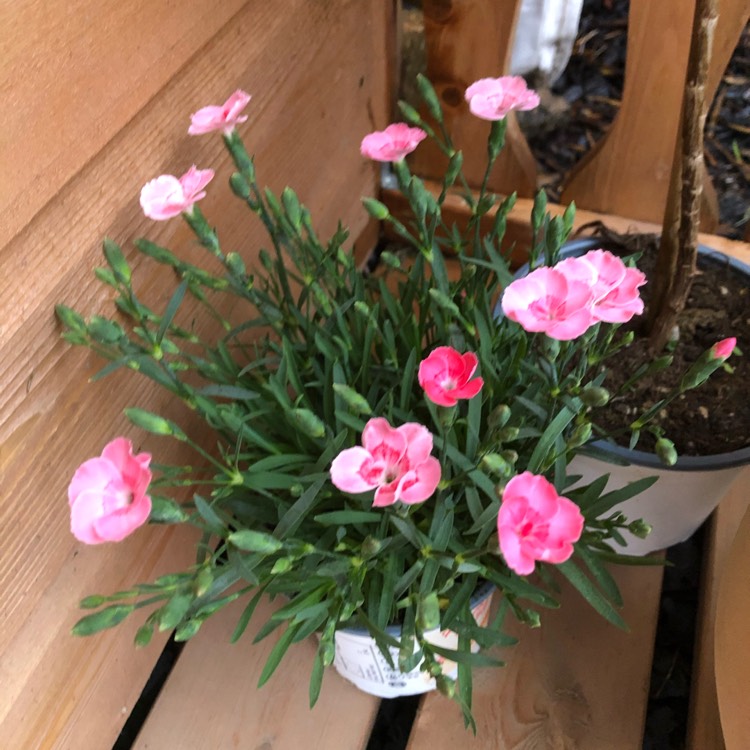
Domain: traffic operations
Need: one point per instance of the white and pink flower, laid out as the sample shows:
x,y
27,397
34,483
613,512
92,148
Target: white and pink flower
x,y
535,523
168,196
225,117
393,143
547,301
395,462
446,374
613,284
495,98
107,495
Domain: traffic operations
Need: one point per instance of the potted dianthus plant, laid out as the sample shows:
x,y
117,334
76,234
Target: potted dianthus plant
x,y
390,449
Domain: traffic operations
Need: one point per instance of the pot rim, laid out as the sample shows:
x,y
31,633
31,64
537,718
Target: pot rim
x,y
714,462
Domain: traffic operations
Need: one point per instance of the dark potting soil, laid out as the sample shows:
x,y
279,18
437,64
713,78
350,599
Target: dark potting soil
x,y
715,417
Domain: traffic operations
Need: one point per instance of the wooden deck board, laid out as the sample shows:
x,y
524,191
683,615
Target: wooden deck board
x,y
211,700
575,682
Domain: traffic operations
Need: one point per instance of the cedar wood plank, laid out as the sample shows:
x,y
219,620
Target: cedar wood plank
x,y
319,83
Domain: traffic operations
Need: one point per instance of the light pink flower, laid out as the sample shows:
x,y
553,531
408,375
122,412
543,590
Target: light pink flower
x,y
395,462
535,523
547,301
445,374
613,284
494,98
223,118
107,495
167,196
393,143
724,348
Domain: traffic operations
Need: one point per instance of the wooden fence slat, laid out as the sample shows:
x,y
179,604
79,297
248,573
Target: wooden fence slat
x,y
211,699
704,724
575,682
317,74
627,173
72,73
467,40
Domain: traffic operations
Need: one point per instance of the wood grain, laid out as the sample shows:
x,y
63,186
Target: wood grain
x,y
732,647
628,171
72,73
575,683
704,723
467,40
211,698
319,81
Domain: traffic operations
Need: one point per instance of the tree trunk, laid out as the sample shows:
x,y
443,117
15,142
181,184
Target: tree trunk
x,y
676,261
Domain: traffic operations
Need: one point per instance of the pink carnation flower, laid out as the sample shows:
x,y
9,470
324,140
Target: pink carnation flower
x,y
223,118
724,348
614,285
445,376
395,462
393,143
548,301
167,196
535,523
494,98
107,495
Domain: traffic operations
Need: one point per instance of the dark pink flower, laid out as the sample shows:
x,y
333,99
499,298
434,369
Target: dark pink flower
x,y
445,376
535,523
107,495
724,348
167,196
395,462
393,143
614,285
548,301
494,98
223,118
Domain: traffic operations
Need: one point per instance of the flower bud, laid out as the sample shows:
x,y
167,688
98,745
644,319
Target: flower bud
x,y
308,423
240,186
510,456
499,417
595,396
376,209
428,612
640,528
580,435
666,451
445,685
508,434
496,464
371,546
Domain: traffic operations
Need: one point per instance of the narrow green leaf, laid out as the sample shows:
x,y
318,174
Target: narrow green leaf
x,y
591,594
105,618
316,677
171,310
247,613
277,653
209,515
347,517
174,610
254,541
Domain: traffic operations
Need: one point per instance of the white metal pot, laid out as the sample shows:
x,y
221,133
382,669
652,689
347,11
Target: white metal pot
x,y
359,660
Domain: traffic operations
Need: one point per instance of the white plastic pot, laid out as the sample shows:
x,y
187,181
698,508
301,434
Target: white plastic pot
x,y
677,504
359,660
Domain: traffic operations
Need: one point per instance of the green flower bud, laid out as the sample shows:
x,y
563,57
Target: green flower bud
x,y
499,417
445,685
510,456
376,209
508,434
496,464
640,528
235,264
595,396
428,612
666,451
203,581
371,546
308,423
355,401
580,435
240,186
390,259
282,565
